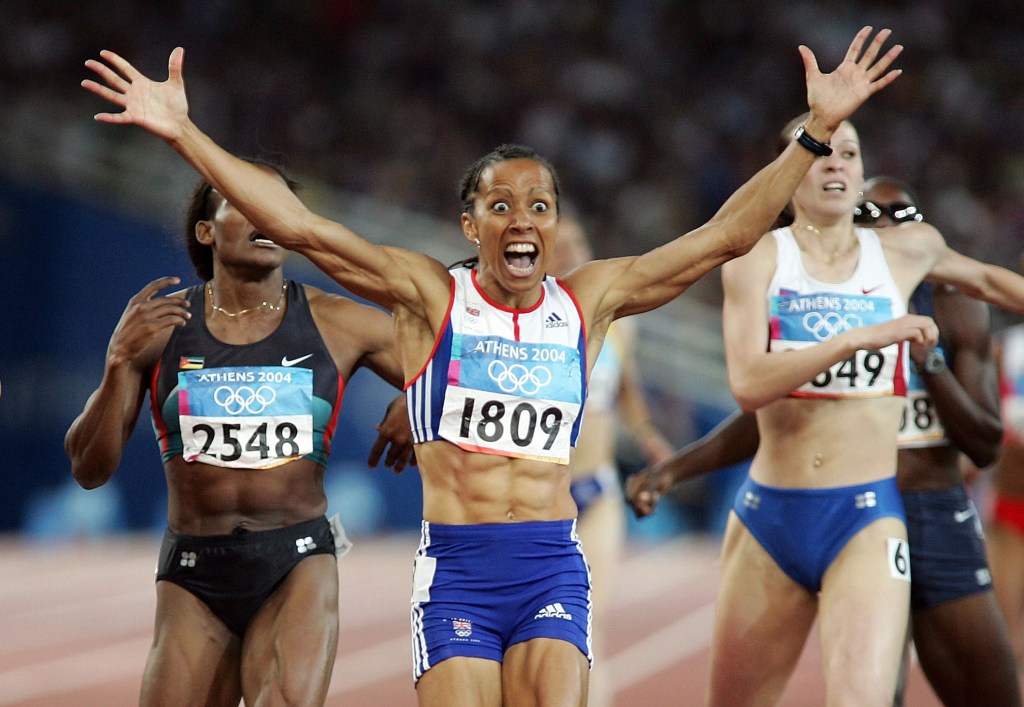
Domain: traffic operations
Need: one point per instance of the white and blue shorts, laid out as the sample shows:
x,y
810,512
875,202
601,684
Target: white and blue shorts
x,y
479,589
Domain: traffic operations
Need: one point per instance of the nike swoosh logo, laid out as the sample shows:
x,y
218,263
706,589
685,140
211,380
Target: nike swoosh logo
x,y
869,290
961,516
285,361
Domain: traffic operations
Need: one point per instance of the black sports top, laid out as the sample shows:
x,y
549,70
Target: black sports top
x,y
247,405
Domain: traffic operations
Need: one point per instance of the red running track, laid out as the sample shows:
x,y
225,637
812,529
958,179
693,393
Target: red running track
x,y
76,622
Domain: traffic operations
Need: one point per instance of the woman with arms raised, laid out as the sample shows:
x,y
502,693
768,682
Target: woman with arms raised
x,y
497,358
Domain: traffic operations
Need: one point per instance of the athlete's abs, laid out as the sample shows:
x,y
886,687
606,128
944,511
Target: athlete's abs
x,y
212,500
462,487
821,443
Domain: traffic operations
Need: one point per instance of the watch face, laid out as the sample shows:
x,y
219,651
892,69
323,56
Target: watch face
x,y
934,362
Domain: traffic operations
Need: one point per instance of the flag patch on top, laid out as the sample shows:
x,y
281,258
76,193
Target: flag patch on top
x,y
186,363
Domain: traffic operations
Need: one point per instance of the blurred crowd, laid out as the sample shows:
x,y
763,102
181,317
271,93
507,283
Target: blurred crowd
x,y
652,110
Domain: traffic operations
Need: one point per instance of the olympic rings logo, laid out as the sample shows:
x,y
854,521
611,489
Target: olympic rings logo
x,y
244,398
518,378
825,326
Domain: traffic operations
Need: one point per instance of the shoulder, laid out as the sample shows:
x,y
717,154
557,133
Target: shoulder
x,y
334,312
912,239
760,258
589,282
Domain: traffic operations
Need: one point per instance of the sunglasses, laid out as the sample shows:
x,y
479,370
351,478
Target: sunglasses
x,y
869,212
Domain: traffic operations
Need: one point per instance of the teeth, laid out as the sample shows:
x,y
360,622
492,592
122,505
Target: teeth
x,y
835,186
521,248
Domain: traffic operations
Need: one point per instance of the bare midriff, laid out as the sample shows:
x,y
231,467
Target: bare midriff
x,y
462,487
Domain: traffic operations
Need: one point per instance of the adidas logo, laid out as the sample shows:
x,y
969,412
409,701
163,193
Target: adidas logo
x,y
553,611
554,321
304,544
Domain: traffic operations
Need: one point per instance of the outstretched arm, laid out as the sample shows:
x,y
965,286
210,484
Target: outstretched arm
x,y
383,275
648,281
734,440
965,395
991,283
96,438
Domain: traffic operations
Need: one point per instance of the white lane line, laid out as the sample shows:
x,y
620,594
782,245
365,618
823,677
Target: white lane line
x,y
659,650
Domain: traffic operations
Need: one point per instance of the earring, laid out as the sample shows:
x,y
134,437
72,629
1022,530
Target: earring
x,y
477,241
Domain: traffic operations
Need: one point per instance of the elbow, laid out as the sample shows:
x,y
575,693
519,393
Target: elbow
x,y
985,449
747,406
748,402
86,476
747,395
983,458
84,480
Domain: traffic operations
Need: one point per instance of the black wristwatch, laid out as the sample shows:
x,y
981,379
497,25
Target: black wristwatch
x,y
934,363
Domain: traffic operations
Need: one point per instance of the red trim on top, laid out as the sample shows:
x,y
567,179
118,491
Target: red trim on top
x,y
579,310
499,305
440,333
333,422
515,325
899,380
154,409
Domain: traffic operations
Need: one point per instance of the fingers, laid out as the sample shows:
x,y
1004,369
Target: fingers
x,y
175,63
858,42
377,450
170,311
112,78
121,64
884,63
156,285
640,497
876,45
810,61
400,457
104,92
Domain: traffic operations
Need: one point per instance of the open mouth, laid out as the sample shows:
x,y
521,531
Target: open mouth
x,y
260,239
835,187
521,258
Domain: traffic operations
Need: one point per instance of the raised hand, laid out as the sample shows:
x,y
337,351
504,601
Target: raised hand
x,y
835,96
159,107
145,316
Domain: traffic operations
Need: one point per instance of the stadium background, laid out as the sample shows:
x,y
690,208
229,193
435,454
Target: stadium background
x,y
653,112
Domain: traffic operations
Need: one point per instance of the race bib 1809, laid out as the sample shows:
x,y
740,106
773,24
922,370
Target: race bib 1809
x,y
512,398
249,417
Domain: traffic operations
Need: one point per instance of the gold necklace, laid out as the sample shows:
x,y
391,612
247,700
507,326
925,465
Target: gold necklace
x,y
276,307
835,253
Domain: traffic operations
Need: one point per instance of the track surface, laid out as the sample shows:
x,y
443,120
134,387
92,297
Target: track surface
x,y
76,622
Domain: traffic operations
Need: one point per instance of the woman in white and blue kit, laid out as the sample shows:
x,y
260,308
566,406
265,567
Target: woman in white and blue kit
x,y
815,317
497,358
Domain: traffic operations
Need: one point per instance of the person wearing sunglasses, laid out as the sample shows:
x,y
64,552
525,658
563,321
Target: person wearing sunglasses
x,y
952,407
877,215
830,244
